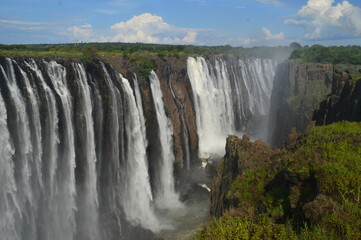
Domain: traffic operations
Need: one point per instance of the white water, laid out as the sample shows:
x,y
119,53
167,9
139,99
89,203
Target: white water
x,y
137,201
65,204
138,98
23,149
228,96
52,140
135,191
51,119
9,206
90,195
166,196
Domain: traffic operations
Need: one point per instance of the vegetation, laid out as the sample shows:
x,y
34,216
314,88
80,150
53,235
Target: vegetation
x,y
335,55
309,190
129,50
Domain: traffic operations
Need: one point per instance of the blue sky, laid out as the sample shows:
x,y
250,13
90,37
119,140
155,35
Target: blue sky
x,y
199,22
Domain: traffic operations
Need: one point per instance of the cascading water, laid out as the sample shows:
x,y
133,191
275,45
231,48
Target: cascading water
x,y
50,172
65,224
18,123
166,195
88,199
138,98
9,205
226,96
136,194
73,144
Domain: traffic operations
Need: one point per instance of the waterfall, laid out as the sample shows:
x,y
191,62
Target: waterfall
x,y
227,96
135,191
138,197
66,203
138,98
88,204
19,127
75,161
9,205
166,195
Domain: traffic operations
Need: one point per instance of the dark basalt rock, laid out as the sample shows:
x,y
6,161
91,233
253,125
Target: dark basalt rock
x,y
344,101
298,89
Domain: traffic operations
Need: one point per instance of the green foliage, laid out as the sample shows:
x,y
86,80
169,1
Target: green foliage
x,y
249,187
334,151
89,54
145,67
229,228
295,46
335,55
333,154
141,49
325,162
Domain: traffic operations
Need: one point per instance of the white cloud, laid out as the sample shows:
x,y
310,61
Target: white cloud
x,y
269,36
16,22
150,28
82,32
268,39
317,16
273,2
146,28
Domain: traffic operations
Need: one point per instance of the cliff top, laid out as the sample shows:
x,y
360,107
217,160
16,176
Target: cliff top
x,y
334,55
88,51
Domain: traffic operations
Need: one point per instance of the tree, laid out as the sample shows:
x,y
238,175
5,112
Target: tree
x,y
295,46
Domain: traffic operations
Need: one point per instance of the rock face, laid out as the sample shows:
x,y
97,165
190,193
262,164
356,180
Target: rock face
x,y
298,89
241,156
310,180
344,102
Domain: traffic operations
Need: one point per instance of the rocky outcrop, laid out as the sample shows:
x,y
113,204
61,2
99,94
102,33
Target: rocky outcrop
x,y
344,102
242,155
309,181
298,88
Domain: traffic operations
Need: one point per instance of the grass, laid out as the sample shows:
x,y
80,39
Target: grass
x,y
312,191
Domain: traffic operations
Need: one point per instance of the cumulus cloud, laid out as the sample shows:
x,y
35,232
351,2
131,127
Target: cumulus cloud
x,y
150,28
317,16
146,28
81,33
269,36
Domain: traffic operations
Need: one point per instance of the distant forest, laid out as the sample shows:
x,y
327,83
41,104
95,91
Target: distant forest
x,y
90,51
335,55
129,50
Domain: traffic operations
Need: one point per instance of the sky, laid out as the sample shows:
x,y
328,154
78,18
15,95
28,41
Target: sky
x,y
198,22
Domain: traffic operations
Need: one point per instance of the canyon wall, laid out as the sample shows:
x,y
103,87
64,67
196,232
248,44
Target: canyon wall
x,y
298,89
344,101
301,88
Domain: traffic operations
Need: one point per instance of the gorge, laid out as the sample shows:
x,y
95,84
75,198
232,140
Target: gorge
x,y
115,148
96,151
